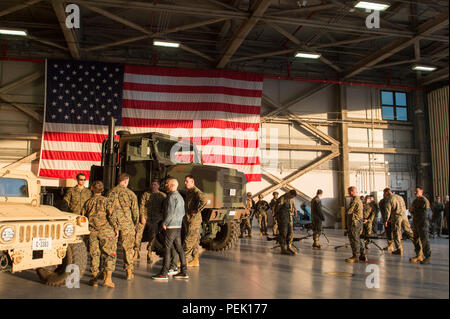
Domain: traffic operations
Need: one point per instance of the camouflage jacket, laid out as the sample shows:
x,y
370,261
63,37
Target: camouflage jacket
x,y
437,208
355,209
124,204
261,206
151,206
419,210
195,201
273,204
395,206
285,206
76,197
99,217
316,209
368,212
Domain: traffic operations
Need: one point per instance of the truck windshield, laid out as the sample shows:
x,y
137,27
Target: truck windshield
x,y
177,151
13,187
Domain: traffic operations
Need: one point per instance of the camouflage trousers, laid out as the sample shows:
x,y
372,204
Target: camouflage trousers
x,y
246,226
316,227
126,238
388,233
152,231
102,245
354,236
399,222
275,225
193,227
262,221
286,229
421,241
437,223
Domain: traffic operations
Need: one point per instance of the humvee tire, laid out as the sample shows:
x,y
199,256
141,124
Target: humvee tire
x,y
56,276
225,238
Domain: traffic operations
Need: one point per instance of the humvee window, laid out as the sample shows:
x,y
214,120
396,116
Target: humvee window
x,y
13,187
139,150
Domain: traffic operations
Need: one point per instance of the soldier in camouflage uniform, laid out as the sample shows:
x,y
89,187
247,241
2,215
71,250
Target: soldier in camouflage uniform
x,y
354,226
368,217
438,211
396,216
104,230
194,204
151,215
124,204
317,218
261,208
285,211
246,225
273,204
419,210
78,195
387,227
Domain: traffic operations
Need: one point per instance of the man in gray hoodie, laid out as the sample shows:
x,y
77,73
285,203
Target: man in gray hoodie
x,y
173,210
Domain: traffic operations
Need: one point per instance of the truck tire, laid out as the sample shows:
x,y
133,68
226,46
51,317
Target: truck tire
x,y
56,276
225,238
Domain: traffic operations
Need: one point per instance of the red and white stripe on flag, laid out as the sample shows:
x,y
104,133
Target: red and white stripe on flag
x,y
218,110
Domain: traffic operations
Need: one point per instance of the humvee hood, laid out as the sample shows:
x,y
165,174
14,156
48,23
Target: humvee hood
x,y
22,212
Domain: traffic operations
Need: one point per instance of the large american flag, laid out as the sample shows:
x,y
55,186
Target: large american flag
x,y
218,110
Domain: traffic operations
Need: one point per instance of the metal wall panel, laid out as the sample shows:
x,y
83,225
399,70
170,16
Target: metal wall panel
x,y
438,117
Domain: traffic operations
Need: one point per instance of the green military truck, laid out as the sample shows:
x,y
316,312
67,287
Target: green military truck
x,y
35,236
153,155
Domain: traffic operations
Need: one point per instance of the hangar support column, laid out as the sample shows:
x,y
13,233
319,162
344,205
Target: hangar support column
x,y
344,170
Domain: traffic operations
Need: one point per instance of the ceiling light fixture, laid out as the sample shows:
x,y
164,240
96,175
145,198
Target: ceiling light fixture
x,y
428,68
307,55
20,32
163,43
370,5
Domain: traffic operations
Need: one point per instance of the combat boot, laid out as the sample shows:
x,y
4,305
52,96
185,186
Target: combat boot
x,y
416,259
260,234
363,258
194,262
427,260
292,250
389,247
316,243
93,281
136,256
249,235
108,279
352,259
130,274
399,251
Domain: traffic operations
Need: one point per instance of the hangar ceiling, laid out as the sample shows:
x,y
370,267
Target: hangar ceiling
x,y
246,35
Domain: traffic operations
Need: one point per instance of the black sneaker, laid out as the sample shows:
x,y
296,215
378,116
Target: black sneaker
x,y
181,275
160,277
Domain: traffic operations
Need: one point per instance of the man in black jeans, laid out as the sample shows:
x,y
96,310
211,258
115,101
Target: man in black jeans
x,y
173,209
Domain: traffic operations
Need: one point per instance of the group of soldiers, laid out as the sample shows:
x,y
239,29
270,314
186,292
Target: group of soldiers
x,y
119,217
393,211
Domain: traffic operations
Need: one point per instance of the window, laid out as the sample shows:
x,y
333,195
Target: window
x,y
12,187
394,106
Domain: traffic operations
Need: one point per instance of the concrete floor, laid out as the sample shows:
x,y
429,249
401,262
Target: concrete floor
x,y
253,270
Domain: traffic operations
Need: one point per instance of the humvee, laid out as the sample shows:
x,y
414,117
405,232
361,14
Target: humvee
x,y
35,236
152,155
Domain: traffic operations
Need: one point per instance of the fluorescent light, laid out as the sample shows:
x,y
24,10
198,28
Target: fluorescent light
x,y
20,32
423,68
163,43
307,55
378,6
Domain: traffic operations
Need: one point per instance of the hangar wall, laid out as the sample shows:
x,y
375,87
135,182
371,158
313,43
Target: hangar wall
x,y
20,136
